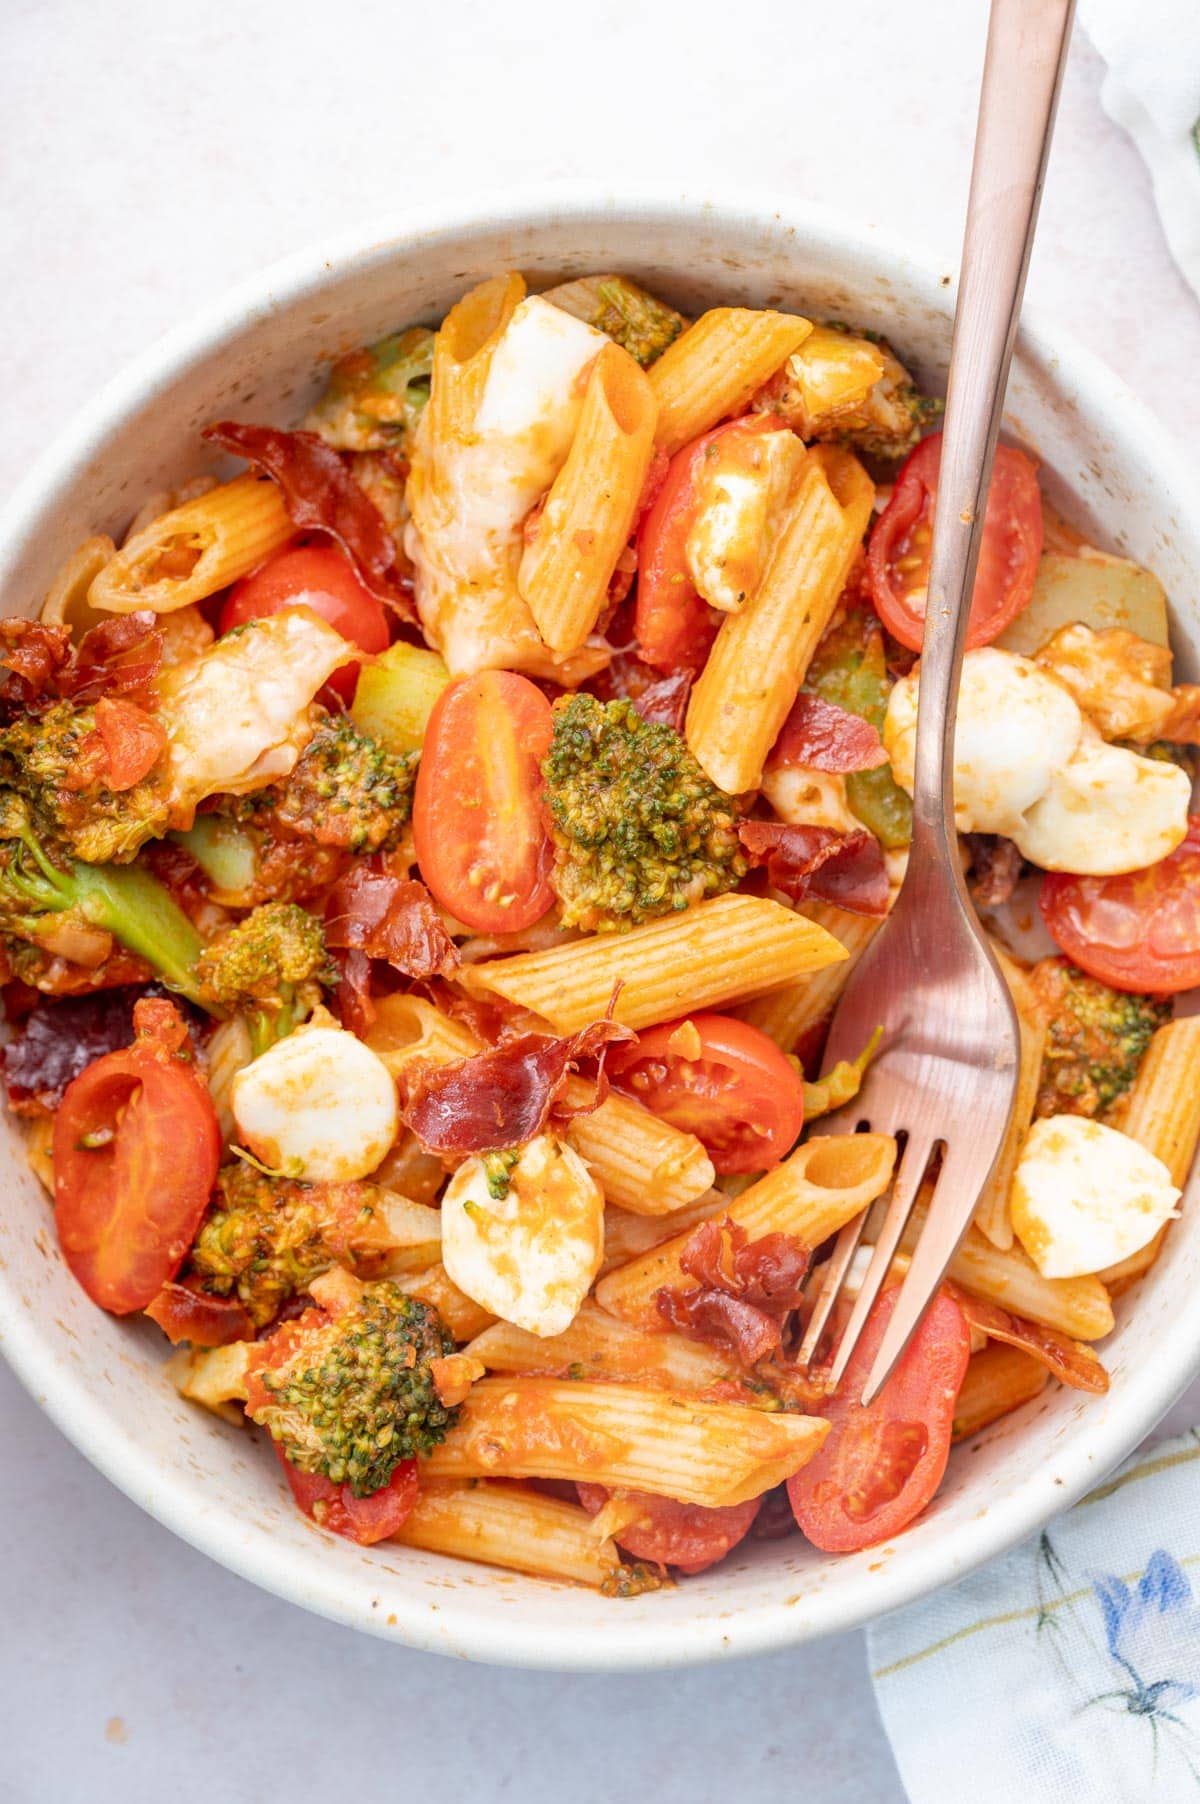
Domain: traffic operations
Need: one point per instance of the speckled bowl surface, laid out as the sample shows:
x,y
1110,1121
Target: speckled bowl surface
x,y
254,356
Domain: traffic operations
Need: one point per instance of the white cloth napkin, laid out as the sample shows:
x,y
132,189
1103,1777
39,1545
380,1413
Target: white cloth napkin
x,y
1067,1672
1152,48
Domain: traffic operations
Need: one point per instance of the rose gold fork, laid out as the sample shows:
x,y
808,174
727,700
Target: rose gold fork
x,y
945,1073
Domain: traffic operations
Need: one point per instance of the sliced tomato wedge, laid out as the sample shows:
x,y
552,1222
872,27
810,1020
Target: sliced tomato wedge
x,y
1139,931
320,578
719,1079
670,1533
136,1149
880,1465
362,1519
898,552
478,825
673,625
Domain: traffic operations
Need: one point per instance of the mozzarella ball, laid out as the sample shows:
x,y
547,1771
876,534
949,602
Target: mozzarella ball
x,y
1107,811
742,497
1016,728
319,1105
523,1233
802,796
1084,1196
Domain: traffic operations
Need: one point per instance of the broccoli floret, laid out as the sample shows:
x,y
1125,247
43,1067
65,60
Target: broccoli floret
x,y
375,396
46,758
266,1238
43,891
639,322
638,828
350,1395
346,790
271,965
1095,1040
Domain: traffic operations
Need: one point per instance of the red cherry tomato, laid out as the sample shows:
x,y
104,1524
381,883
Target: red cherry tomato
x,y
362,1519
898,552
719,1079
1139,931
320,578
480,836
136,1149
673,625
671,1533
186,1312
879,1466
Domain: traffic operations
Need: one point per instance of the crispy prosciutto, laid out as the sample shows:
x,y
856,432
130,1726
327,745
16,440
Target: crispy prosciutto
x,y
118,657
744,1289
821,736
820,864
185,1312
1069,1360
504,1097
392,918
321,495
58,1040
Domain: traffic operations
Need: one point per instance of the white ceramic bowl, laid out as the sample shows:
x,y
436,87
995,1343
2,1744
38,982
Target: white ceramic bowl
x,y
254,356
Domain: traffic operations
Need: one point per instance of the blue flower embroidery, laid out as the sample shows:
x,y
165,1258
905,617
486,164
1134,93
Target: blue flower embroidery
x,y
1153,1634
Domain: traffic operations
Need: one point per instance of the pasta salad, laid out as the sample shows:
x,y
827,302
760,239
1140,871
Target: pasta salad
x,y
429,860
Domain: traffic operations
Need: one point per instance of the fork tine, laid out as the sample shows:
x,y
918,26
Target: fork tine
x,y
904,1190
833,1277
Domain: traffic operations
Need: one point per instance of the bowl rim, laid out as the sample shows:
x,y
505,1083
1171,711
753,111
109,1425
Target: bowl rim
x,y
1085,1458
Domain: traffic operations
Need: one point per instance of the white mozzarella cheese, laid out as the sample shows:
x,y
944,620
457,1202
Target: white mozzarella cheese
x,y
531,1254
1106,811
741,501
1016,729
1084,1196
811,798
318,1105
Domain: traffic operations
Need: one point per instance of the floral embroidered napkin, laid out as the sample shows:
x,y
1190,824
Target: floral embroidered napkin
x,y
1069,1670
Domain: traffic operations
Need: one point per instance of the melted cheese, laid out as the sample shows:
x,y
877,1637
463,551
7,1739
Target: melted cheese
x,y
809,798
531,1255
319,1105
741,501
1084,1196
1108,810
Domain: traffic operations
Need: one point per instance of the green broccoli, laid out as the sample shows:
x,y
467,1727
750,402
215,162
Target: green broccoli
x,y
1095,1040
42,891
43,757
346,790
639,322
350,1395
271,965
375,396
638,828
266,1238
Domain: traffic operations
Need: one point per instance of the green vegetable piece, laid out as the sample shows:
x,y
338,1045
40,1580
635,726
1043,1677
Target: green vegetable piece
x,y
375,396
346,790
1096,1038
849,669
842,1084
396,694
41,754
637,321
225,852
271,965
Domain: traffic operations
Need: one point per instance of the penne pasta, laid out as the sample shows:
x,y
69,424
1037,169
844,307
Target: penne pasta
x,y
1164,1117
626,1235
714,367
196,549
408,1031
762,652
598,1345
830,375
568,564
998,1381
715,1454
463,350
1080,1307
788,1012
66,600
992,1216
716,952
506,1525
824,1183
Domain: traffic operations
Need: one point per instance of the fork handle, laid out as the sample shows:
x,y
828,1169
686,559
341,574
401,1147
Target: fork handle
x,y
1026,53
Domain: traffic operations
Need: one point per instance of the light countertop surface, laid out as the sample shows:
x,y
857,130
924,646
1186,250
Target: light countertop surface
x,y
151,153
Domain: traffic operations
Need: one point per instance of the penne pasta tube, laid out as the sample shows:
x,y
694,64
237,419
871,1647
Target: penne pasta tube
x,y
66,601
598,1345
715,952
506,1525
627,1236
715,1454
461,1313
992,1216
788,1012
998,1381
1080,1307
816,1191
762,652
463,350
1163,1116
408,1031
588,515
196,549
714,367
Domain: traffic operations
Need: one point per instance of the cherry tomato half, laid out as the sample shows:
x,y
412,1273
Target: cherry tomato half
x,y
478,826
670,1533
1139,931
362,1519
879,1466
898,552
719,1079
674,626
136,1149
320,578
